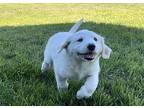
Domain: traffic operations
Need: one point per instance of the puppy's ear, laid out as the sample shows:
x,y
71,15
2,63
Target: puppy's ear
x,y
64,46
106,51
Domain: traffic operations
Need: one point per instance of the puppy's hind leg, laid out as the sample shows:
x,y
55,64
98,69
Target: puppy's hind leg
x,y
44,67
47,61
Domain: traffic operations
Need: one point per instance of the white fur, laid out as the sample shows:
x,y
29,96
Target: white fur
x,y
62,51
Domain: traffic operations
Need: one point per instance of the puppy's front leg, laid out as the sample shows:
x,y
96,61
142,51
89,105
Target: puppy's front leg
x,y
62,83
88,88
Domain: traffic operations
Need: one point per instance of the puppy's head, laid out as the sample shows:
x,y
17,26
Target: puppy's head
x,y
87,46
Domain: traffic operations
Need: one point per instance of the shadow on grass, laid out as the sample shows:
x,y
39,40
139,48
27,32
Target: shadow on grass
x,y
21,54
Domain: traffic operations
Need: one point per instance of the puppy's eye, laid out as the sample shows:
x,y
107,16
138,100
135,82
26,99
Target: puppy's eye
x,y
95,38
80,40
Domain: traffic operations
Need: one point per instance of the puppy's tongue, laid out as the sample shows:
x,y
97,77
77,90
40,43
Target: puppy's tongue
x,y
91,56
88,56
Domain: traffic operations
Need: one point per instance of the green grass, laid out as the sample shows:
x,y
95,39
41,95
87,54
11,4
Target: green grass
x,y
25,29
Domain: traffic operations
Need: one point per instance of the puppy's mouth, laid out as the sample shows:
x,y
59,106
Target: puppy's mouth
x,y
87,56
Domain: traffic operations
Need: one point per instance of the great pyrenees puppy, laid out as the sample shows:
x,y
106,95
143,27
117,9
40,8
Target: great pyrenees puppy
x,y
75,56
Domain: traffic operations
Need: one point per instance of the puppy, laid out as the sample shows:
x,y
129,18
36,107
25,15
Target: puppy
x,y
75,56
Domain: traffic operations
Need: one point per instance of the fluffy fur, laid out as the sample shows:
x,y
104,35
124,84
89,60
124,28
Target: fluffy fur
x,y
75,56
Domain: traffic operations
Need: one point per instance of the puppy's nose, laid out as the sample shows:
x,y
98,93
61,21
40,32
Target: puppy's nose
x,y
91,47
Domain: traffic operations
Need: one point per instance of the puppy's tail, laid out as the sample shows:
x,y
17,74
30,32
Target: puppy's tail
x,y
76,26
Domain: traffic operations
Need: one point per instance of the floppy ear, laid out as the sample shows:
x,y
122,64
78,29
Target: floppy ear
x,y
106,51
64,46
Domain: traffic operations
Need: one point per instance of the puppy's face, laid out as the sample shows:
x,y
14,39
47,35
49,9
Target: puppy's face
x,y
85,45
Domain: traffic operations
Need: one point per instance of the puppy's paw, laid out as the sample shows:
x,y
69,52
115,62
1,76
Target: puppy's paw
x,y
63,89
82,94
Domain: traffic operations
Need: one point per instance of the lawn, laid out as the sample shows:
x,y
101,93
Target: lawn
x,y
25,29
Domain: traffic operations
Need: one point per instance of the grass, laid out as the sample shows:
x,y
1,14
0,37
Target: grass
x,y
25,29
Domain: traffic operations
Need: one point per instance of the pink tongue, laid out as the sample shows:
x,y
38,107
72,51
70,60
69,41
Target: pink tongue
x,y
89,56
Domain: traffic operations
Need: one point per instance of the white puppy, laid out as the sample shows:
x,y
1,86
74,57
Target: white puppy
x,y
75,55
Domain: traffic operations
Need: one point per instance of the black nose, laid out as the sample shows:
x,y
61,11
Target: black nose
x,y
91,47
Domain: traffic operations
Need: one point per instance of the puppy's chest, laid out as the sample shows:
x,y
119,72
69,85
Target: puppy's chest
x,y
78,72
